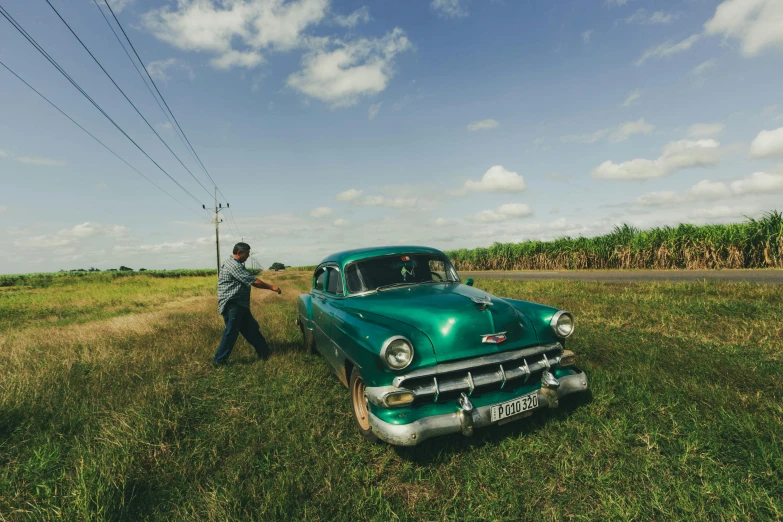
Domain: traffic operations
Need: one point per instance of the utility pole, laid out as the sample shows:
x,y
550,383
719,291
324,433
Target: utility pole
x,y
218,207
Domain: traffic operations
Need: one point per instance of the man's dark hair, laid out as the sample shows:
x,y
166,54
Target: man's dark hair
x,y
241,248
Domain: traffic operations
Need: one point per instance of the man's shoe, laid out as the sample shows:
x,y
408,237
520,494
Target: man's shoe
x,y
216,364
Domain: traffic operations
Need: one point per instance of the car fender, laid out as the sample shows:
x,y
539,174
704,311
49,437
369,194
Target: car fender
x,y
361,335
539,316
304,306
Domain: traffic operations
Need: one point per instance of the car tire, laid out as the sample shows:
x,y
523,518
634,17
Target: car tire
x,y
361,412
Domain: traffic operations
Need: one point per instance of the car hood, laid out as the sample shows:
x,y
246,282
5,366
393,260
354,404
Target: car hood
x,y
453,317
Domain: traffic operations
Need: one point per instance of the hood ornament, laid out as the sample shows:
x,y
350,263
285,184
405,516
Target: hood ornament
x,y
483,302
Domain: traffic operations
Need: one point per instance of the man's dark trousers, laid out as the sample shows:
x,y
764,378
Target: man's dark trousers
x,y
239,320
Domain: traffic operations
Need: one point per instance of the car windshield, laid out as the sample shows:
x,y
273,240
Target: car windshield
x,y
398,270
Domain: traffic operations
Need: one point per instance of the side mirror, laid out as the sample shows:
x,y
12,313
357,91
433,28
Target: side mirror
x,y
469,281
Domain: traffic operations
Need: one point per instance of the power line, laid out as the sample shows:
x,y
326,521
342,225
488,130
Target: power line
x,y
193,150
57,66
143,79
93,137
126,97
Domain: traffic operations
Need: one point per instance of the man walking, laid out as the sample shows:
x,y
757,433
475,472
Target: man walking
x,y
234,282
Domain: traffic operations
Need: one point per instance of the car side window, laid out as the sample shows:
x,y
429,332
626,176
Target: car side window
x,y
437,270
320,279
334,284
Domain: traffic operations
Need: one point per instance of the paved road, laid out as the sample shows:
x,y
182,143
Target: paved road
x,y
764,276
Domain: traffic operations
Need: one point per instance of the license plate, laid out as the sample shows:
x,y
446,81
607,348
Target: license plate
x,y
515,407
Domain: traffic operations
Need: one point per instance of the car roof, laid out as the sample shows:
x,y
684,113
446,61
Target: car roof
x,y
349,256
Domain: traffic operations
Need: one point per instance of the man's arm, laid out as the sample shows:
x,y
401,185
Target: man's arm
x,y
264,286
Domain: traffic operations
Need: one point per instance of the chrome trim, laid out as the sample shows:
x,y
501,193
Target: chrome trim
x,y
485,360
436,425
549,381
553,323
386,344
474,375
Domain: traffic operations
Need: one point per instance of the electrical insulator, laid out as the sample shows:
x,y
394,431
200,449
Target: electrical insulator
x,y
220,205
228,205
204,207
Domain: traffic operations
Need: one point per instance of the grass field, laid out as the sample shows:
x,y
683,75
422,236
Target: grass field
x,y
111,410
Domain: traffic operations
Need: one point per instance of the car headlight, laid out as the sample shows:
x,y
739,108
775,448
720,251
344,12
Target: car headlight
x,y
562,324
397,352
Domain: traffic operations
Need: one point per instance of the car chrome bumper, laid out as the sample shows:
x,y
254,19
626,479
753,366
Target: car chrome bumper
x,y
465,420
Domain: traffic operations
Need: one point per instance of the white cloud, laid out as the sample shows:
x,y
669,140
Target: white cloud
x,y
340,222
662,17
642,16
586,35
620,134
504,213
759,183
3,209
373,111
229,59
657,199
40,161
704,66
3,153
253,25
668,49
631,128
163,127
349,195
496,179
383,201
360,16
319,212
540,143
767,144
705,130
757,24
449,8
632,97
707,189
615,3
161,70
339,73
676,155
74,235
483,125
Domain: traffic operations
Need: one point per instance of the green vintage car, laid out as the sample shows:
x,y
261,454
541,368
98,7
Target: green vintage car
x,y
424,354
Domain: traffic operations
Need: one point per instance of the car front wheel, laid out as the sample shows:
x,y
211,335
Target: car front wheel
x,y
361,413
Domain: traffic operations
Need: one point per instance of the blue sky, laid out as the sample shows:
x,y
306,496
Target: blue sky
x,y
339,124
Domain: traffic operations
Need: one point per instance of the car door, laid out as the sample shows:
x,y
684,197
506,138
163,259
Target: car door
x,y
333,292
321,318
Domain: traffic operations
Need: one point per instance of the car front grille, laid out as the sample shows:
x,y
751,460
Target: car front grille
x,y
480,374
